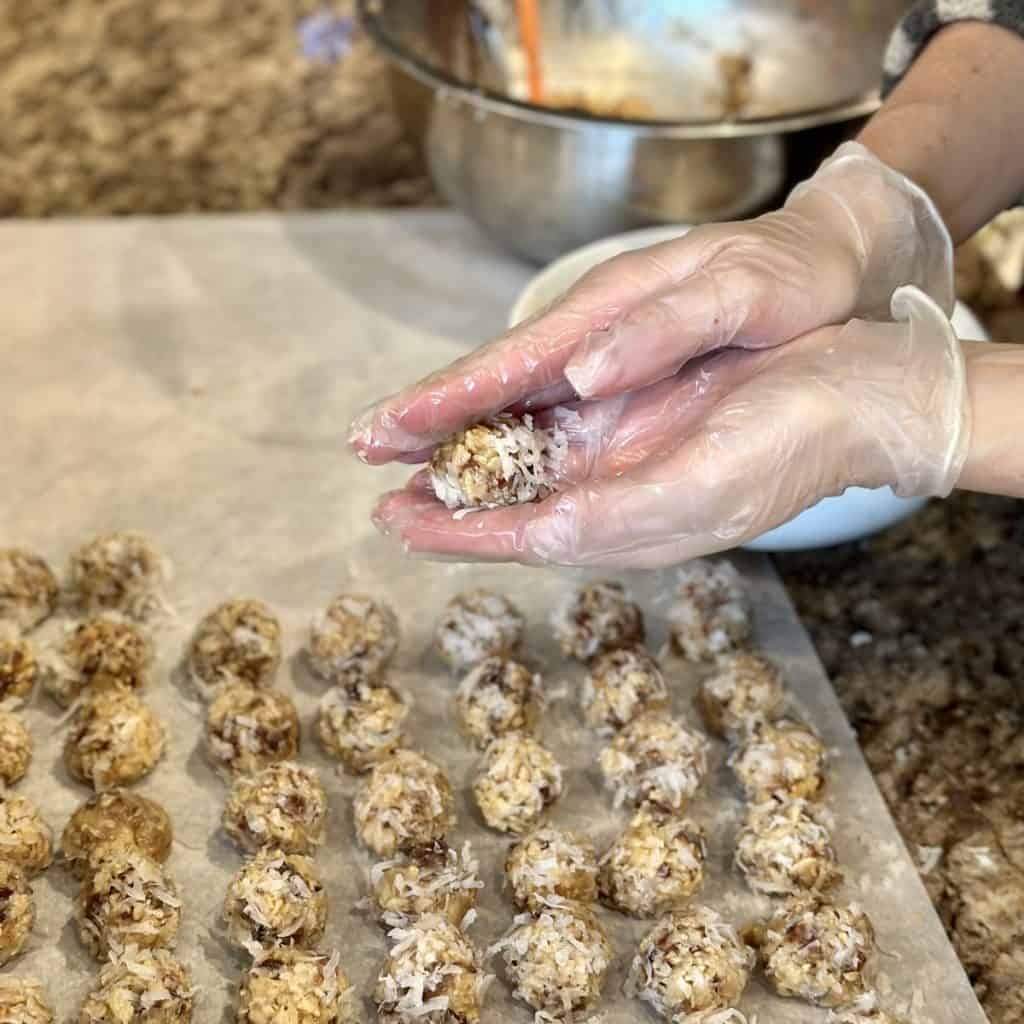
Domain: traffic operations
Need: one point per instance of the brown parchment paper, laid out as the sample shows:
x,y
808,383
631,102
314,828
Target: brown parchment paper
x,y
193,379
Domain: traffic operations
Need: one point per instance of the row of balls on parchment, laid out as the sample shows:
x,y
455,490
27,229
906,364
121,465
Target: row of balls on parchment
x,y
692,966
127,910
583,633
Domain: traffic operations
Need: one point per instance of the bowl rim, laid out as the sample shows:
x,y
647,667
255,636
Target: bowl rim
x,y
492,102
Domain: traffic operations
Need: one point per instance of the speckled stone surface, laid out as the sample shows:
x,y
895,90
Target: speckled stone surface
x,y
161,106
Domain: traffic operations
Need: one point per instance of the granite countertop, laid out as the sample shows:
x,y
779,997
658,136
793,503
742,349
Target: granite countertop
x,y
116,107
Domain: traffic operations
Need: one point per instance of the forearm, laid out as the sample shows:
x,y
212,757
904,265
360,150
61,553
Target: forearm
x,y
955,124
995,383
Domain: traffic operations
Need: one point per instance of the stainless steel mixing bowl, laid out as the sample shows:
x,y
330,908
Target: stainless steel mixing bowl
x,y
545,179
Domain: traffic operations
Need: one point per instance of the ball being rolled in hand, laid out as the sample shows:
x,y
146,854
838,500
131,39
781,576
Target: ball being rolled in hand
x,y
502,461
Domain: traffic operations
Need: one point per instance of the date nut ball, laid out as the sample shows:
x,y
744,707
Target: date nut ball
x,y
502,461
655,866
113,740
711,614
599,617
498,697
353,640
405,803
17,911
119,817
550,867
238,642
22,1001
361,725
28,589
126,899
141,986
518,782
25,839
655,760
15,748
784,759
690,966
621,686
19,666
433,974
283,806
118,572
249,729
817,950
476,625
276,899
107,652
295,986
783,849
557,961
744,690
432,880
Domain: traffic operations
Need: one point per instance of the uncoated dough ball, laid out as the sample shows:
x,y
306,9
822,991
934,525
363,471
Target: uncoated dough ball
x,y
405,803
745,689
126,899
711,614
476,625
817,950
293,986
783,758
621,686
282,806
361,725
518,782
118,572
784,849
25,839
353,640
655,760
497,697
275,900
22,1001
15,748
19,667
502,461
107,652
239,641
17,911
557,961
432,964
599,617
655,866
117,816
550,867
113,740
144,986
28,588
433,880
690,966
248,729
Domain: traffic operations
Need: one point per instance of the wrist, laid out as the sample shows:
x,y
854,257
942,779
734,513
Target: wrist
x,y
995,384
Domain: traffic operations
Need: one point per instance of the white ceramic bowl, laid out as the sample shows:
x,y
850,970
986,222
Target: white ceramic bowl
x,y
855,513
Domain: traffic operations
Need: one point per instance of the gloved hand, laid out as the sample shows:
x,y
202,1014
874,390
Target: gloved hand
x,y
733,445
841,245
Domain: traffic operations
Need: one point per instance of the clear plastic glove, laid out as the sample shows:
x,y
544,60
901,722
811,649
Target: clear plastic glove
x,y
845,240
734,445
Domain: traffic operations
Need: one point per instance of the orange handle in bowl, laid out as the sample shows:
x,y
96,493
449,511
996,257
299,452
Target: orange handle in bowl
x,y
528,15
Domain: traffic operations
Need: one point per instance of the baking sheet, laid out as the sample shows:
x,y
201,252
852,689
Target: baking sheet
x,y
193,379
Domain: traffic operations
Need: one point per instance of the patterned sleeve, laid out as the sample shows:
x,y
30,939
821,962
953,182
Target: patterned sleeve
x,y
928,16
